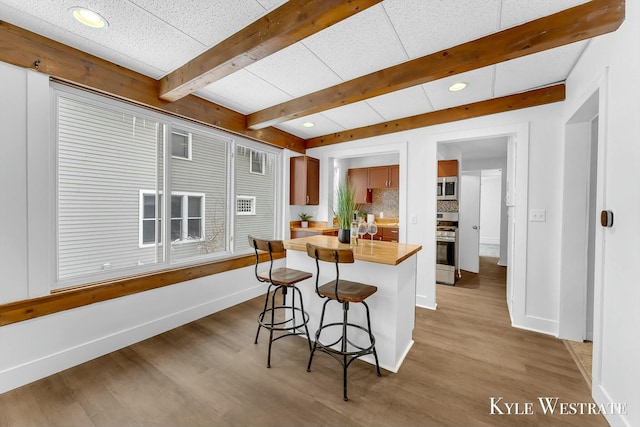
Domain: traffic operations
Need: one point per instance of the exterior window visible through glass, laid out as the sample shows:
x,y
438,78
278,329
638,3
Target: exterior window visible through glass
x,y
257,162
181,145
176,218
149,223
194,221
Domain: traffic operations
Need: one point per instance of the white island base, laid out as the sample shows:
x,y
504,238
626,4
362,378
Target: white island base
x,y
392,307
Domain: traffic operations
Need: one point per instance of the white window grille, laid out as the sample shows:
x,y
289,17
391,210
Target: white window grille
x,y
245,205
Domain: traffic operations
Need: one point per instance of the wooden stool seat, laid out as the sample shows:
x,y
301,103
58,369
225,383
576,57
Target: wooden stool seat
x,y
285,276
347,290
285,318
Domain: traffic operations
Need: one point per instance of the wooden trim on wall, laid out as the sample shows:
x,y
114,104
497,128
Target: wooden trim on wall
x,y
24,49
67,299
518,101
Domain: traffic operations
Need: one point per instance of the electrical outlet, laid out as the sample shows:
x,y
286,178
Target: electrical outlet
x,y
537,215
413,219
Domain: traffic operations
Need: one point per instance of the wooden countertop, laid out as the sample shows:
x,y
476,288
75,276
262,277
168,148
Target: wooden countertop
x,y
372,251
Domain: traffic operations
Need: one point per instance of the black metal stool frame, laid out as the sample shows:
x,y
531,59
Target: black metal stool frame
x,y
342,356
289,324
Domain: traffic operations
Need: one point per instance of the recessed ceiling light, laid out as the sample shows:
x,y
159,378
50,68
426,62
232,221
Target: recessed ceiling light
x,y
308,124
457,86
88,17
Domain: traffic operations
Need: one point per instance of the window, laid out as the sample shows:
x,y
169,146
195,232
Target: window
x,y
181,145
150,223
127,203
245,205
104,157
256,163
256,198
187,217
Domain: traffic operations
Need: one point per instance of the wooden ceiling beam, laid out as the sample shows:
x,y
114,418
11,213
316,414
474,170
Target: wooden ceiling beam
x,y
290,23
24,48
518,101
582,22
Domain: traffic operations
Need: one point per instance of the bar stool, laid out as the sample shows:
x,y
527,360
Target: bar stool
x,y
343,292
291,319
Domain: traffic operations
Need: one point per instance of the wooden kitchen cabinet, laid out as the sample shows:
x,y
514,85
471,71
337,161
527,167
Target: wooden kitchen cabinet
x,y
384,176
304,182
358,178
390,234
394,176
447,168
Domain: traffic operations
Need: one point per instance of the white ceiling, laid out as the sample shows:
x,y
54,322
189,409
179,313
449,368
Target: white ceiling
x,y
476,149
154,37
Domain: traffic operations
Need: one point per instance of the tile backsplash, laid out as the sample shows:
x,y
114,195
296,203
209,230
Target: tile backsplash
x,y
447,206
385,200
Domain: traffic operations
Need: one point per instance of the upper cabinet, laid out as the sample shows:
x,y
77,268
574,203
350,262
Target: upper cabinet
x,y
304,182
366,179
447,168
384,176
358,178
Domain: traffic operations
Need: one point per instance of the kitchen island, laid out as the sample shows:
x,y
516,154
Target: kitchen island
x,y
389,266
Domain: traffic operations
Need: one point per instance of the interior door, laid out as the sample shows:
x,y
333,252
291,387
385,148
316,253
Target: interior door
x,y
469,221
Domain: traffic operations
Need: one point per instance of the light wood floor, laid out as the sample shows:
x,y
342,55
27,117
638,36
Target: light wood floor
x,y
210,373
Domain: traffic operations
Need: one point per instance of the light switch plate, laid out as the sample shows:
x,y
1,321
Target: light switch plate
x,y
413,219
537,215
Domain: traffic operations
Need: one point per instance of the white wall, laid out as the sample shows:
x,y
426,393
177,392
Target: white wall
x,y
539,295
611,64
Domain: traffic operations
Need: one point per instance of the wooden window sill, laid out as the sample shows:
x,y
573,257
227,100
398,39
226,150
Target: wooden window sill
x,y
70,298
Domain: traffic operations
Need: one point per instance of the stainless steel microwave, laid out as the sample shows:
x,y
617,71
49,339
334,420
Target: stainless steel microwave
x,y
447,188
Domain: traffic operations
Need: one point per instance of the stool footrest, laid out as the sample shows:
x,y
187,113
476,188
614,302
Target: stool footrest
x,y
277,326
329,348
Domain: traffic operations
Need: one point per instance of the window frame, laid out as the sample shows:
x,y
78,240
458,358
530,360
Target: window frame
x,y
141,218
185,195
263,158
189,135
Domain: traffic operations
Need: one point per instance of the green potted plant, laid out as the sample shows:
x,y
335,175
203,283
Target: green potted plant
x,y
304,219
344,207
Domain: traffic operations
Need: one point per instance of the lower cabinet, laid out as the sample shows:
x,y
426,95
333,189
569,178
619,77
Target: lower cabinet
x,y
387,234
390,234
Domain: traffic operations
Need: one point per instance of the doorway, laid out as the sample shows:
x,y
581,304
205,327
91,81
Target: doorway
x,y
579,219
483,225
514,166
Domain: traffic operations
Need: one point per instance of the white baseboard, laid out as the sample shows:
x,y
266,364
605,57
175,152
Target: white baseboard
x,y
490,240
601,397
422,301
50,364
537,324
